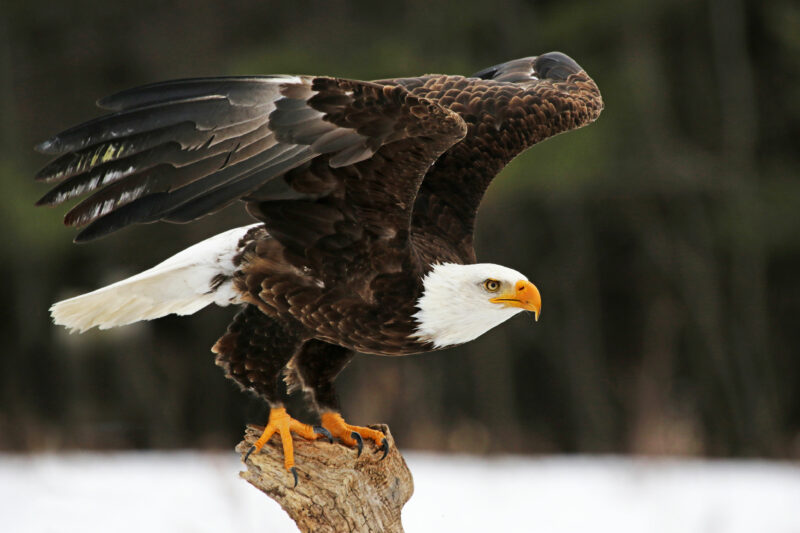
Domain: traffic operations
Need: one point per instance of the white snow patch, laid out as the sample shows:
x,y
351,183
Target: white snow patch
x,y
199,492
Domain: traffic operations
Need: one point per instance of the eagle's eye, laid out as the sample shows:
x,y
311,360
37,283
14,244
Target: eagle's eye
x,y
491,285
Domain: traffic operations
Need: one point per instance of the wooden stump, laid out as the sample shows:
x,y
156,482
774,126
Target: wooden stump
x,y
336,491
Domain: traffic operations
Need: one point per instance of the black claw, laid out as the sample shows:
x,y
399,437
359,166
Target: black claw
x,y
359,442
251,450
293,470
324,432
385,448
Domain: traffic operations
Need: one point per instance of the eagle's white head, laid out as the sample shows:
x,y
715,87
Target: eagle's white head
x,y
462,302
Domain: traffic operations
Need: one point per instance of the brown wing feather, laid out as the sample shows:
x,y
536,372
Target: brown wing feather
x,y
357,201
508,108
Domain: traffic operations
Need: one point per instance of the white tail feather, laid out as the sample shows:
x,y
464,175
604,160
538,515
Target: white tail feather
x,y
183,284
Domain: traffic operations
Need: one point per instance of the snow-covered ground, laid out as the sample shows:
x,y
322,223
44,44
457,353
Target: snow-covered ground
x,y
199,492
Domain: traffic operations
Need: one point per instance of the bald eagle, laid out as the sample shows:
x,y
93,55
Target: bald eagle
x,y
365,195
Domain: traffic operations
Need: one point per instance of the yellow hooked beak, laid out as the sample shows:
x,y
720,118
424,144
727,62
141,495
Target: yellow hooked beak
x,y
525,295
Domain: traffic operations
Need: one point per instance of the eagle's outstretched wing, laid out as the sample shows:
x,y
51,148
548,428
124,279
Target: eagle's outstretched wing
x,y
179,150
352,153
508,108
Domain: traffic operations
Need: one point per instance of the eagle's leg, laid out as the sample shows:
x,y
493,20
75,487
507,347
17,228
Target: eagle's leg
x,y
315,368
253,352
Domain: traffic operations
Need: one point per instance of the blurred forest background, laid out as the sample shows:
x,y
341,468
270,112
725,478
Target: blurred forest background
x,y
665,238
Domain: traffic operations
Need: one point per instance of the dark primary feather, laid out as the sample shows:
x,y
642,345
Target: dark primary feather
x,y
206,112
169,152
215,199
239,90
158,205
160,142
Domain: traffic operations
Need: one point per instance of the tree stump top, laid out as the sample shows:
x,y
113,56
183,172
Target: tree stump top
x,y
336,492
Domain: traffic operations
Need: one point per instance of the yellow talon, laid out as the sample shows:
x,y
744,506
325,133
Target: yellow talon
x,y
334,423
280,422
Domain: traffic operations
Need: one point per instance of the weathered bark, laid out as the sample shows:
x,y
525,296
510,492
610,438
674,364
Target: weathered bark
x,y
336,491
